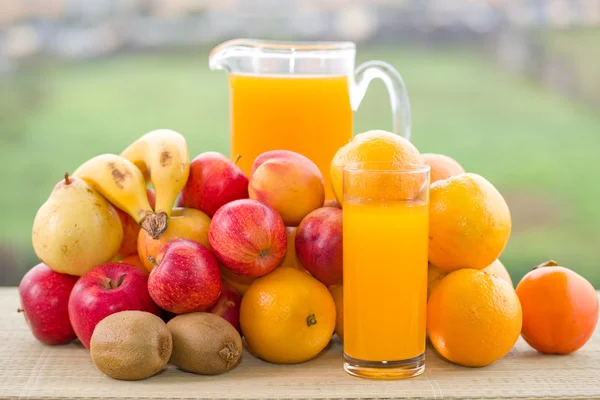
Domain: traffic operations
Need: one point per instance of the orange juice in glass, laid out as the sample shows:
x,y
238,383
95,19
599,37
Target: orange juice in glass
x,y
300,97
385,231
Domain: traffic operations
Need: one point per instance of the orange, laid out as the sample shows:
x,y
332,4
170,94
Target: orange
x,y
499,271
185,223
337,292
371,146
135,261
469,223
560,309
287,316
442,167
435,275
473,318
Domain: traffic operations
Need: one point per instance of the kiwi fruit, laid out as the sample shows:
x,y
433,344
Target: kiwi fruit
x,y
131,345
204,343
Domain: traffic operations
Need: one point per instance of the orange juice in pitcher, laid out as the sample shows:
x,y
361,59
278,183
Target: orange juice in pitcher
x,y
299,97
308,115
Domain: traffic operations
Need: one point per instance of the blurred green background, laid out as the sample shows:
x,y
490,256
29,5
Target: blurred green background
x,y
530,126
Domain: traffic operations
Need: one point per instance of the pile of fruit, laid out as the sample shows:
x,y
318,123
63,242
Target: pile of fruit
x,y
180,272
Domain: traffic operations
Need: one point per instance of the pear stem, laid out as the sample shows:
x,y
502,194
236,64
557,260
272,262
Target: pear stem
x,y
67,179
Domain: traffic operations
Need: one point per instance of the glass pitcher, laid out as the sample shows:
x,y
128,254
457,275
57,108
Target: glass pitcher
x,y
300,97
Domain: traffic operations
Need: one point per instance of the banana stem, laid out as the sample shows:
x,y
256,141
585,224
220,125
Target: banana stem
x,y
155,224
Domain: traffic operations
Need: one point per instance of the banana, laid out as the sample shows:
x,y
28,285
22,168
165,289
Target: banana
x,y
122,183
162,156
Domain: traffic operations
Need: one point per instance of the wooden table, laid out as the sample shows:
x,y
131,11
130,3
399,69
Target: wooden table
x,y
30,369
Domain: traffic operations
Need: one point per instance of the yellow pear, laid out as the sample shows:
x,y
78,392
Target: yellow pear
x,y
76,229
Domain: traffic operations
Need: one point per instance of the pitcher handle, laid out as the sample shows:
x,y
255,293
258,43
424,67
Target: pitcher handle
x,y
370,70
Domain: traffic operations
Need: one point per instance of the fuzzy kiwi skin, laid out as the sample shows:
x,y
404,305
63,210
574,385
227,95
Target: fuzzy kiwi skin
x,y
131,345
204,343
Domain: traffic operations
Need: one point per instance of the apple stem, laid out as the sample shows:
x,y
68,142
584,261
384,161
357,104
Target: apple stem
x,y
237,159
263,253
120,281
153,261
20,310
311,320
67,180
111,284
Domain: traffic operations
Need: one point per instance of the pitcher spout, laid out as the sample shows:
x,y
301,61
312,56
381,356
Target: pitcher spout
x,y
224,56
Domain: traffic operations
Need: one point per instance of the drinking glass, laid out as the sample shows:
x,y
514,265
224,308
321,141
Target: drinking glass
x,y
385,234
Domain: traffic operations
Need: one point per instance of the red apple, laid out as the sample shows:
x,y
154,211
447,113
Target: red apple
x,y
185,223
45,303
228,307
248,237
105,290
151,197
319,245
213,182
186,277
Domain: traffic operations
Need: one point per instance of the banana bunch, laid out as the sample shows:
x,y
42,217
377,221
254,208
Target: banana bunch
x,y
122,184
160,156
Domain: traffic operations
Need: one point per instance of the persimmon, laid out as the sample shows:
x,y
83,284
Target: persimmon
x,y
560,309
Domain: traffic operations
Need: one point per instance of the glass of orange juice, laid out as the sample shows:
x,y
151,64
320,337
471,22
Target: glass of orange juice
x,y
300,96
385,233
